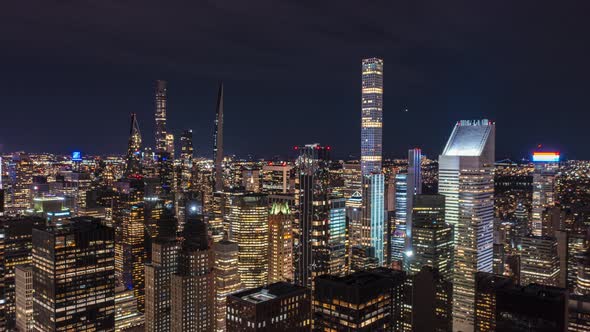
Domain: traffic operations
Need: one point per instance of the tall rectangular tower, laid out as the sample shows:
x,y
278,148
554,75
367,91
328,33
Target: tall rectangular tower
x,y
372,115
74,277
466,180
371,156
160,100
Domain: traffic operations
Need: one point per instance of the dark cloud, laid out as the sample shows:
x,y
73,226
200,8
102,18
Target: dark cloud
x,y
73,70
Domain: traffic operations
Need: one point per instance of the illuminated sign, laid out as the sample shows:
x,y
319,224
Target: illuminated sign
x,y
546,156
76,156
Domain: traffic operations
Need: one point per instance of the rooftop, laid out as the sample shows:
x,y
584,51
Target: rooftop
x,y
468,138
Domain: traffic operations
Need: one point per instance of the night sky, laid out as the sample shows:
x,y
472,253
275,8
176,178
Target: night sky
x,y
72,71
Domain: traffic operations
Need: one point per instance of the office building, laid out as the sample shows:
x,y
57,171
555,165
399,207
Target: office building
x,y
127,317
276,178
158,274
248,217
371,116
312,195
532,308
68,301
539,262
362,301
398,238
20,172
15,249
192,287
432,237
277,307
486,288
373,220
280,254
431,301
579,313
130,230
414,187
227,278
24,298
546,167
466,180
186,160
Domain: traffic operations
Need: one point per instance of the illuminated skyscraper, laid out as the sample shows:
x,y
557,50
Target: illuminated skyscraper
x,y
312,193
398,239
414,187
160,104
74,277
130,255
249,228
24,298
157,284
466,180
546,167
20,170
133,165
218,142
186,160
372,115
433,238
15,249
373,221
193,290
280,254
227,278
539,261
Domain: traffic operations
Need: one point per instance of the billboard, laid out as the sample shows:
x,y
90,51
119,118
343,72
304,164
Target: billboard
x,y
76,156
546,156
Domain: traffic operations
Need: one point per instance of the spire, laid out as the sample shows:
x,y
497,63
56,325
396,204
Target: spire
x,y
133,149
218,140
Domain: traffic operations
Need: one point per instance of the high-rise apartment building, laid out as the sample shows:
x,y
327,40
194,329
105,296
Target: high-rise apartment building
x,y
280,254
277,307
248,217
227,278
466,180
74,277
371,116
432,237
192,287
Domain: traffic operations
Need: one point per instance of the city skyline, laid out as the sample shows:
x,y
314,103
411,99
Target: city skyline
x,y
436,70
